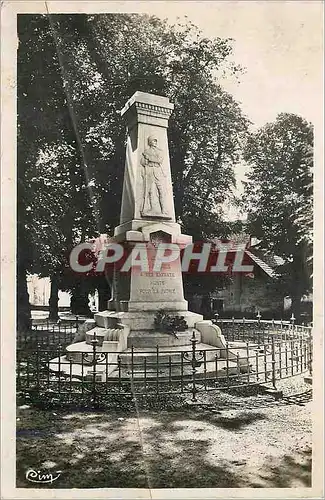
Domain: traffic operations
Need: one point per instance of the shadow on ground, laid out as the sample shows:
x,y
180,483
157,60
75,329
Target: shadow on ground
x,y
250,400
282,474
152,449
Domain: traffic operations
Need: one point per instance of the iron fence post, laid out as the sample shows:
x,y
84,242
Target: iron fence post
x,y
216,366
132,363
257,367
194,389
94,343
205,369
310,354
82,373
18,381
182,372
27,370
248,361
106,370
157,369
265,363
37,366
258,329
238,363
273,363
286,357
280,358
227,364
59,368
119,372
244,331
145,375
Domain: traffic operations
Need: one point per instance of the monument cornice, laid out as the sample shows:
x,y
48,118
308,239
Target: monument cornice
x,y
145,103
152,109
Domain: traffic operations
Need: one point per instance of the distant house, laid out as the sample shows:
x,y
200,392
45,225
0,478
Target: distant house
x,y
246,294
252,293
39,290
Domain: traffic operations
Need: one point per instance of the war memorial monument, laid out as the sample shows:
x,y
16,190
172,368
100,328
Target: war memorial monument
x,y
128,328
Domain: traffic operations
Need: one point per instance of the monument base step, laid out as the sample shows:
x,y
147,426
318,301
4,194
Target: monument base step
x,y
151,354
178,360
147,339
178,372
140,320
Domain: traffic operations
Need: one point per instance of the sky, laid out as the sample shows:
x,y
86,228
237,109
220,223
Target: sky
x,y
279,44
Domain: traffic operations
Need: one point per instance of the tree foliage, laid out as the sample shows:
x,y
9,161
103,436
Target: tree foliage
x,y
105,59
75,73
279,197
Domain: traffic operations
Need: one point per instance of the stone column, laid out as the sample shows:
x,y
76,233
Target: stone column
x,y
147,190
147,211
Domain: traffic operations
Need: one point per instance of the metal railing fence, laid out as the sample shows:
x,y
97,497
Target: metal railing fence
x,y
255,354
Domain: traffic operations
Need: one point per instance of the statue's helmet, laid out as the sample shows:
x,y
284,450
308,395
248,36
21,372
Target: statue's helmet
x,y
152,139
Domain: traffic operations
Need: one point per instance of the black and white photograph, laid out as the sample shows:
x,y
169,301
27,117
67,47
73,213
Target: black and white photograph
x,y
162,250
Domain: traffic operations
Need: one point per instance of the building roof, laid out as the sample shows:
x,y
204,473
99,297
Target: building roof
x,y
262,264
268,262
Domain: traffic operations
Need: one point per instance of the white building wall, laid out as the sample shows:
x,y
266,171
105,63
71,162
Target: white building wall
x,y
39,290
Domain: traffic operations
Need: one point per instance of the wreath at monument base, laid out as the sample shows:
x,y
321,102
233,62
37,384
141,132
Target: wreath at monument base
x,y
170,324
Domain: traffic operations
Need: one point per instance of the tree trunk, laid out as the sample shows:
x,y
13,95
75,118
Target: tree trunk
x,y
54,299
206,306
296,308
300,279
80,302
104,294
24,321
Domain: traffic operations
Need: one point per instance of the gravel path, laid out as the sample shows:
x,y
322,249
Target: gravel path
x,y
226,440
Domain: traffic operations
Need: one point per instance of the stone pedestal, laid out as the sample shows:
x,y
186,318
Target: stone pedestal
x,y
147,211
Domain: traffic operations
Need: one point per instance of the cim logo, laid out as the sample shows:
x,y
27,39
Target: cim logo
x,y
37,476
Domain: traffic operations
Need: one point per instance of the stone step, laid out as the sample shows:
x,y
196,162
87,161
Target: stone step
x,y
152,339
101,334
164,354
140,320
170,358
175,366
175,372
